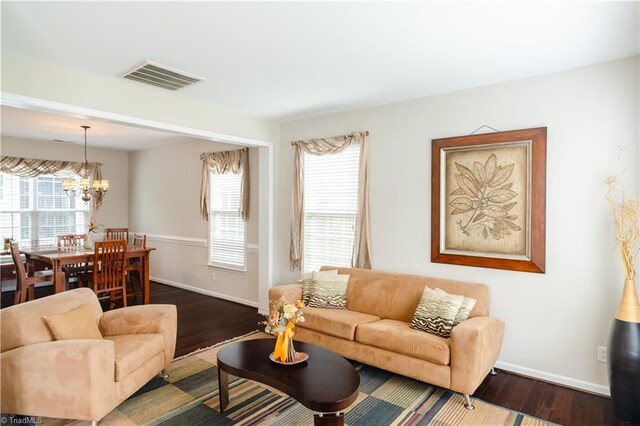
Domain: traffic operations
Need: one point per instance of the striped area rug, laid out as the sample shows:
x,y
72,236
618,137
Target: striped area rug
x,y
190,397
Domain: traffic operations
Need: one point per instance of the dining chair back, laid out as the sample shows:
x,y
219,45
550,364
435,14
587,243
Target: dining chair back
x,y
25,284
71,242
109,269
140,240
134,266
117,234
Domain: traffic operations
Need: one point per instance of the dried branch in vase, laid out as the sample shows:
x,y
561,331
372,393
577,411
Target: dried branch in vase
x,y
626,226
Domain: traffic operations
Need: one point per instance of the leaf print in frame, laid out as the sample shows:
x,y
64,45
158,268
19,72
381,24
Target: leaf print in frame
x,y
488,200
482,199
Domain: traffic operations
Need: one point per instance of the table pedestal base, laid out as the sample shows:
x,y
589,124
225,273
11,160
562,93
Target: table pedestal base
x,y
328,419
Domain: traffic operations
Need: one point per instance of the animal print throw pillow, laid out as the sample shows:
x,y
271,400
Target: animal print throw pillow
x,y
308,283
436,312
329,291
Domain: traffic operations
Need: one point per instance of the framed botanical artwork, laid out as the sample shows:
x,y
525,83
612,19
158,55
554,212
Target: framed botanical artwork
x,y
488,200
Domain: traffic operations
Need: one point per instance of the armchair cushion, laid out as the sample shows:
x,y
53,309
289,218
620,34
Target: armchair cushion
x,y
145,319
78,323
134,350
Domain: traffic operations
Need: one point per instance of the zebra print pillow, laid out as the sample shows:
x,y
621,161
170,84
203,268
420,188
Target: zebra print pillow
x,y
330,292
436,312
464,311
308,283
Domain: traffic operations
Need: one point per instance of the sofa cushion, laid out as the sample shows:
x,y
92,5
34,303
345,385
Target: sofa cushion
x,y
329,292
334,322
395,296
397,336
436,312
134,350
78,323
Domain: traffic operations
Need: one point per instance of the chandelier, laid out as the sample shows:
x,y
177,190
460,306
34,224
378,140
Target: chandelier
x,y
73,187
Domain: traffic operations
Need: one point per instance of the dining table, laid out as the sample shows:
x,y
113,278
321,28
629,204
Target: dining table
x,y
59,258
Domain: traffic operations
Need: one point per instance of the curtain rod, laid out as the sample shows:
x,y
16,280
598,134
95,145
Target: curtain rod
x,y
204,154
366,133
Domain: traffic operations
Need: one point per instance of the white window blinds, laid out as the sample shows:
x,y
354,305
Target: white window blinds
x,y
34,211
330,206
226,227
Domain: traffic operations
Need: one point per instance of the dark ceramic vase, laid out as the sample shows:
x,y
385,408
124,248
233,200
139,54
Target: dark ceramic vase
x,y
623,360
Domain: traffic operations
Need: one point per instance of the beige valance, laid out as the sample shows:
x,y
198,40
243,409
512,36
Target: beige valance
x,y
361,256
30,167
220,163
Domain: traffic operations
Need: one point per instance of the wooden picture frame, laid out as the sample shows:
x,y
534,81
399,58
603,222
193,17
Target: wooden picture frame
x,y
488,196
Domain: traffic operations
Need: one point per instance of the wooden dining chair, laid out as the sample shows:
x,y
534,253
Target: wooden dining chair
x,y
134,266
25,283
109,270
73,242
117,234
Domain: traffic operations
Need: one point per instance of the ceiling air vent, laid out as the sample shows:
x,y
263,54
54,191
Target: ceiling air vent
x,y
162,76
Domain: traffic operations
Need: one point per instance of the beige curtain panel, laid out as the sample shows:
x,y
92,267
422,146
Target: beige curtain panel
x,y
29,167
361,256
220,163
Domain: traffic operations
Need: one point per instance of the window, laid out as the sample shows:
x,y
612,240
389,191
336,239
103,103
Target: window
x,y
330,206
226,227
34,211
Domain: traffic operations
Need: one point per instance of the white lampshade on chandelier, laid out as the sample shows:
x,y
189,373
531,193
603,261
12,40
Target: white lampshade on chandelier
x,y
73,188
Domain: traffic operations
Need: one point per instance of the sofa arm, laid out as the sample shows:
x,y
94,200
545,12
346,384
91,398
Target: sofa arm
x,y
144,319
475,346
291,292
71,379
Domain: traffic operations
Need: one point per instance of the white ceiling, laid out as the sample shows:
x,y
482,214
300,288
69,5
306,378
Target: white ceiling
x,y
287,60
22,123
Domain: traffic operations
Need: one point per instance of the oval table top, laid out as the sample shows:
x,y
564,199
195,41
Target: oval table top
x,y
325,383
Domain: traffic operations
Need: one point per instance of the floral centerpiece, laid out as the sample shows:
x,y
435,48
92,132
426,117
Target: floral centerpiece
x,y
281,322
92,227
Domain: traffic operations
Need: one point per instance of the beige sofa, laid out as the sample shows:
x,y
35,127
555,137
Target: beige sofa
x,y
80,379
374,329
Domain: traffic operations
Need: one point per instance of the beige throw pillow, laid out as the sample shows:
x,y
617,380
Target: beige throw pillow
x,y
79,323
465,310
329,291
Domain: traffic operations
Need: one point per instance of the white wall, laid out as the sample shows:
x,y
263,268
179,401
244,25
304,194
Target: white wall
x,y
164,197
44,80
115,210
553,321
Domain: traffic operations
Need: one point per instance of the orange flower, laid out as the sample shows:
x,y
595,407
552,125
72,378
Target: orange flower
x,y
299,304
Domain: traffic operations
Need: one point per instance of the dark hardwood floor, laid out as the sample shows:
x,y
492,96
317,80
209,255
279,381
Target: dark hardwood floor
x,y
204,321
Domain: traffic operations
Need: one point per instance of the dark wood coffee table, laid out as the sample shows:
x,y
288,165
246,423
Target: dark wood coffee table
x,y
325,383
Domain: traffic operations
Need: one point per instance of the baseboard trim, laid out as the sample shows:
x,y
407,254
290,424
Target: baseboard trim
x,y
554,378
206,292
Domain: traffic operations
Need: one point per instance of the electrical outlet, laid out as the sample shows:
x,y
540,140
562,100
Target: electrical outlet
x,y
213,276
602,354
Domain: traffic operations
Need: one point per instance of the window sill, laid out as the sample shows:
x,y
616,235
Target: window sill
x,y
240,269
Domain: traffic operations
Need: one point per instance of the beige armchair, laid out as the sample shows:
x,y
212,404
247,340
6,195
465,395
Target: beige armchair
x,y
80,379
